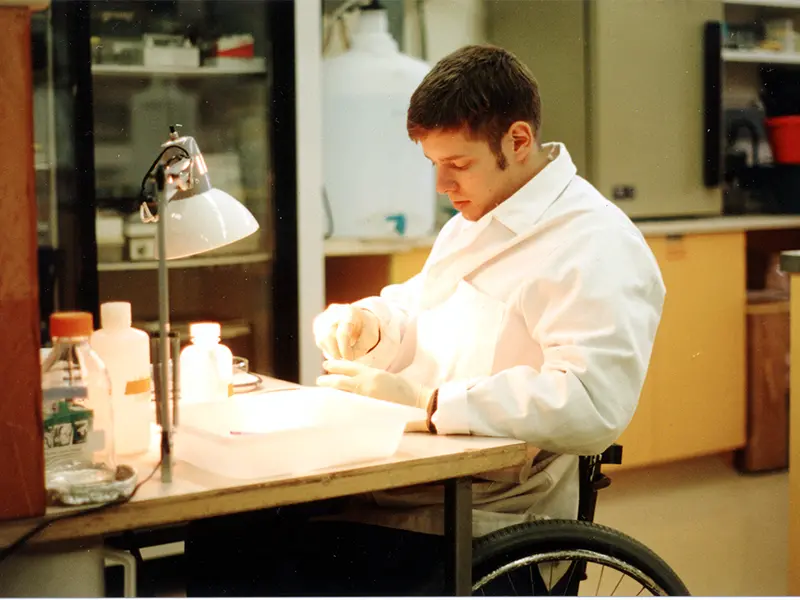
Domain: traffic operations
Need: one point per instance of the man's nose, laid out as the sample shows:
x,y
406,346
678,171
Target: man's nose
x,y
444,183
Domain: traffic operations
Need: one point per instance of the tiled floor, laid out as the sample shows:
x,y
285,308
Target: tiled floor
x,y
723,533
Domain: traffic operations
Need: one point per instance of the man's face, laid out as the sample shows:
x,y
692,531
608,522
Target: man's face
x,y
467,171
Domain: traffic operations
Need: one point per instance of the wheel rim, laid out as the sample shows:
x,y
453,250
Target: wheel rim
x,y
604,561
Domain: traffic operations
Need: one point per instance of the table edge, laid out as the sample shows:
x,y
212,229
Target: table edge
x,y
159,512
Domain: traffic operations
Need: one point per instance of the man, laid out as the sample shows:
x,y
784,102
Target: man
x,y
533,318
535,313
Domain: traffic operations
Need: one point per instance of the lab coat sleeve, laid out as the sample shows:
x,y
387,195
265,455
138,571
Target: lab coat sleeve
x,y
392,308
595,314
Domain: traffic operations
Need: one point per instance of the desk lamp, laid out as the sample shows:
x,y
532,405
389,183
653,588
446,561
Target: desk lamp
x,y
192,217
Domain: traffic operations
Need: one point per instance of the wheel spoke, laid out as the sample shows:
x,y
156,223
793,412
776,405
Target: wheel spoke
x,y
572,570
599,580
513,587
621,577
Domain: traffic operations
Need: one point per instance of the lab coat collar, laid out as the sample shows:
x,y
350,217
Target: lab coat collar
x,y
522,211
519,213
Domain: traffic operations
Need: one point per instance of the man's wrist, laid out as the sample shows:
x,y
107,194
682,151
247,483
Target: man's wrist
x,y
432,406
377,326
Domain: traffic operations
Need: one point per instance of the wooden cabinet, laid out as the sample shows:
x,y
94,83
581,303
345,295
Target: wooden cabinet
x,y
694,400
407,264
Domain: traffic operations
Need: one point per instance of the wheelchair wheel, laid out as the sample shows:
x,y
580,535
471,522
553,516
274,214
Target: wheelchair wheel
x,y
568,558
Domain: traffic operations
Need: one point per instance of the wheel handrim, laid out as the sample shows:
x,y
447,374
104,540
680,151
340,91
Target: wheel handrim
x,y
598,558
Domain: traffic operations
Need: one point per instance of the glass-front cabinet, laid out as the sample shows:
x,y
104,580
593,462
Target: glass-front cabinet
x,y
136,68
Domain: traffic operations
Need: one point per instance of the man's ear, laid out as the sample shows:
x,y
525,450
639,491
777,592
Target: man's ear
x,y
523,139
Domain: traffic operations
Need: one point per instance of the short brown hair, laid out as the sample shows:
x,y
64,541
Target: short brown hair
x,y
482,87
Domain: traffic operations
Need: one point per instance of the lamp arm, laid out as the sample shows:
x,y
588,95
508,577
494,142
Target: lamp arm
x,y
150,174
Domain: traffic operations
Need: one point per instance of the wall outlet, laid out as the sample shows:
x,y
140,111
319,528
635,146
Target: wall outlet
x,y
623,192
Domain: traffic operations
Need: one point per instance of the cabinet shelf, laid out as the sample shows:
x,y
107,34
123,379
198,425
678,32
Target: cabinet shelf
x,y
257,68
761,56
187,263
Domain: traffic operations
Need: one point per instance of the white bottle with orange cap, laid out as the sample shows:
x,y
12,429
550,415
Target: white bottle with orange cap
x,y
126,354
206,365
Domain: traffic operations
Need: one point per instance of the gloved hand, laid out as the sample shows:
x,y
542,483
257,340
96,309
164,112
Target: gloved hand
x,y
346,331
375,383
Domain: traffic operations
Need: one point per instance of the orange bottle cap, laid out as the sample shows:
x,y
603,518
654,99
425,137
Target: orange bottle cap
x,y
71,324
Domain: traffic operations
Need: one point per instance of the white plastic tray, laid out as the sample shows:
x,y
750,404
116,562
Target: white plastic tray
x,y
289,432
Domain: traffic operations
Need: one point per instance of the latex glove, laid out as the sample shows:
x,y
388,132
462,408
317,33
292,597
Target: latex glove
x,y
375,383
346,331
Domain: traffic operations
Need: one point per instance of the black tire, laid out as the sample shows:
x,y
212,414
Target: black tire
x,y
500,548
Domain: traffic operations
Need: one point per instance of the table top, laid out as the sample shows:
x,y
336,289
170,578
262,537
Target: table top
x,y
196,494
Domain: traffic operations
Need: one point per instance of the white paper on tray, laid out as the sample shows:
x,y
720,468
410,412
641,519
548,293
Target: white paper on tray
x,y
282,411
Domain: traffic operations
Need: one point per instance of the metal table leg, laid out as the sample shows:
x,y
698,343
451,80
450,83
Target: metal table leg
x,y
458,536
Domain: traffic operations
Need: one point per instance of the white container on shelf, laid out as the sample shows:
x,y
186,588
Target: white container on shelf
x,y
206,366
377,181
126,354
290,432
153,109
109,237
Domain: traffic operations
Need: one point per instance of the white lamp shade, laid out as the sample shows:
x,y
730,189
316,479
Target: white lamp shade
x,y
204,222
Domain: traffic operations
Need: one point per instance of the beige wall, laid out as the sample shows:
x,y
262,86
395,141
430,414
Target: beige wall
x,y
557,62
450,24
621,84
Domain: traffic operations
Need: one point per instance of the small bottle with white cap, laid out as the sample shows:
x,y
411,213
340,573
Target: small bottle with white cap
x,y
126,354
206,365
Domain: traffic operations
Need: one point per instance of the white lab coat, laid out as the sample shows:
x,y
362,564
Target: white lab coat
x,y
535,323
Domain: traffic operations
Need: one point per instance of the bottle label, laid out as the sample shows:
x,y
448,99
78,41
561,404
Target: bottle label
x,y
68,427
137,386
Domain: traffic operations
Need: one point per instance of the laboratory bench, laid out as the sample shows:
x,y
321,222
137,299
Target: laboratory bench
x,y
74,542
695,399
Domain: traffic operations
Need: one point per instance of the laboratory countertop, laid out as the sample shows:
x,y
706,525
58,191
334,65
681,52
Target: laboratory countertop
x,y
720,224
790,261
702,225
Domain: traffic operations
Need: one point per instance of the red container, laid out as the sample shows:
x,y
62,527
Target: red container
x,y
784,137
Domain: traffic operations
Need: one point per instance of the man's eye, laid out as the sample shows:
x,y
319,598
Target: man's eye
x,y
460,166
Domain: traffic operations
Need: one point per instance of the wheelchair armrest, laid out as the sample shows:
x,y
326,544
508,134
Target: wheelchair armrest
x,y
612,455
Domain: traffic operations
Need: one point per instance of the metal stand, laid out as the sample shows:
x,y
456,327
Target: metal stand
x,y
162,389
458,536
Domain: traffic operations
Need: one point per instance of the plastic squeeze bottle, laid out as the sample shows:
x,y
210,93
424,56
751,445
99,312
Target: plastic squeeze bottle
x,y
126,354
206,365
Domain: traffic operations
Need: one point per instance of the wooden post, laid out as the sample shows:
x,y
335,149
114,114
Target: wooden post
x,y
21,446
790,263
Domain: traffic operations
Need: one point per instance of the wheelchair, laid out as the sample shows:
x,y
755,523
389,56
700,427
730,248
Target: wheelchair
x,y
553,557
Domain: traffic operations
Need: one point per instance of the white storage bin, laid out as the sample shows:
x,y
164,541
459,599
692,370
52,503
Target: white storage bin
x,y
290,432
